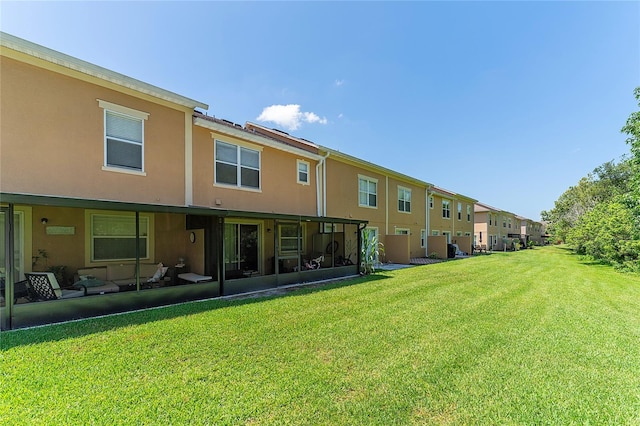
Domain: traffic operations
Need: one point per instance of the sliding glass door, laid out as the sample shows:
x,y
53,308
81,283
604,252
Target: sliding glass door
x,y
241,249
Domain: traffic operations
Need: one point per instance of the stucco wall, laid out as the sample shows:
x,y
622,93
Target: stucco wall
x,y
438,244
464,243
396,249
279,192
52,138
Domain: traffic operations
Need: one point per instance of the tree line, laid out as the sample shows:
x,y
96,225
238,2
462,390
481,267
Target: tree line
x,y
600,216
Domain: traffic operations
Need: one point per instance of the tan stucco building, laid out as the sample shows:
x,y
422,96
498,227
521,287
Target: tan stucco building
x,y
103,177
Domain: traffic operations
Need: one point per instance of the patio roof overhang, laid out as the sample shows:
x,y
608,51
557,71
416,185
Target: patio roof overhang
x,y
55,201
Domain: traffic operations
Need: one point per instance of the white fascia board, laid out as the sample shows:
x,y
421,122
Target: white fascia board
x,y
28,48
240,133
375,167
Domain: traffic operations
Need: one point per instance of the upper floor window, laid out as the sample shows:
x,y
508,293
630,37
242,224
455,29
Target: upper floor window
x,y
430,202
367,192
468,213
123,137
459,211
237,165
509,223
446,209
404,200
490,220
303,172
504,221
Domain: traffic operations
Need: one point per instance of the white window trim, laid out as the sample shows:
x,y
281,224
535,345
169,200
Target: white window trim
x,y
459,211
119,109
402,188
431,201
449,209
368,178
423,238
400,231
133,113
435,233
123,110
238,186
88,255
308,182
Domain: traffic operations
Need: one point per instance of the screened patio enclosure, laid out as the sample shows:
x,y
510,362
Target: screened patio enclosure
x,y
118,257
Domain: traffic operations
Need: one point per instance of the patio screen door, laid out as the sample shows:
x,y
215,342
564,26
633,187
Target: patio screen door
x,y
18,245
241,249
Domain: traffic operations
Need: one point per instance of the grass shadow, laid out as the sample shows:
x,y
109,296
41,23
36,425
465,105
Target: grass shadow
x,y
83,327
583,259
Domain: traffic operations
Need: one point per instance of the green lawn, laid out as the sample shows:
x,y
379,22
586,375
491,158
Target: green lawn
x,y
531,337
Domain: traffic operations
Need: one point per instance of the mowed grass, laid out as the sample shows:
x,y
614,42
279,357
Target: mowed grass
x,y
531,337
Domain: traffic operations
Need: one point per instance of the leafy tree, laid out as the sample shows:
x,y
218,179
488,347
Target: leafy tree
x,y
632,129
600,217
607,232
605,183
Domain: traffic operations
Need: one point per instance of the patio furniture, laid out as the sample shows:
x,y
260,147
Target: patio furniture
x,y
95,286
195,278
46,287
480,248
20,290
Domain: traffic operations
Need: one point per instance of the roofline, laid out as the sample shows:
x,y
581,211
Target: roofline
x,y
375,167
56,201
26,47
240,132
488,207
446,192
279,134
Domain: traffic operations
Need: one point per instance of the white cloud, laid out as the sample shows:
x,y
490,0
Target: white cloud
x,y
340,115
289,116
339,83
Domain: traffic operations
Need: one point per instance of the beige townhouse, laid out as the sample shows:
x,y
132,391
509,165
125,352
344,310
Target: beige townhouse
x,y
495,229
104,177
451,221
392,203
530,230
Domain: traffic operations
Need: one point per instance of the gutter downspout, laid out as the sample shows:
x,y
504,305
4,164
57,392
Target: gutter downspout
x,y
318,195
321,192
324,184
428,221
454,220
386,206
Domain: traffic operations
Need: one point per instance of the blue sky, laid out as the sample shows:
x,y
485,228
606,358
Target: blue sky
x,y
506,102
